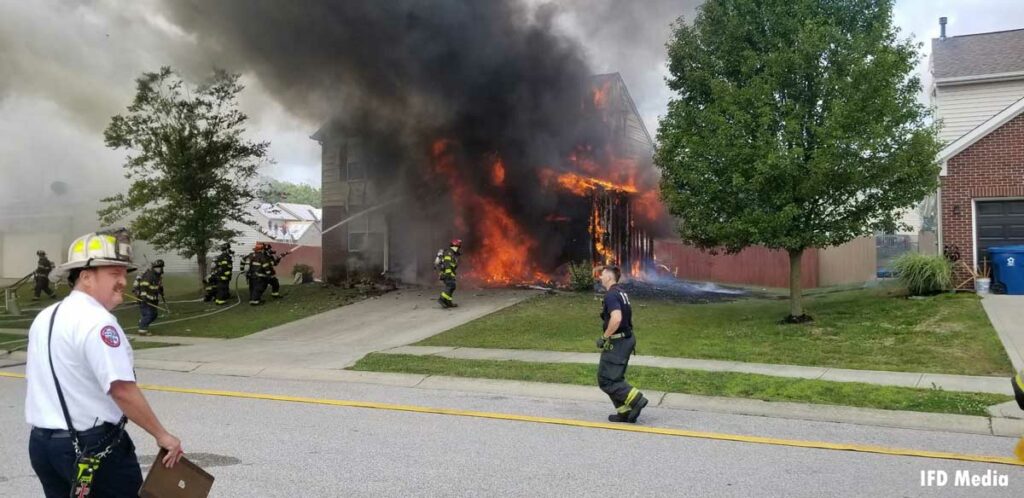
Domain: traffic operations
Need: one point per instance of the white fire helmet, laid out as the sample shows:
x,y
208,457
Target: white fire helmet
x,y
102,248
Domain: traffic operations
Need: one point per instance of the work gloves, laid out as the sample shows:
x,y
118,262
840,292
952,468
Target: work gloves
x,y
603,344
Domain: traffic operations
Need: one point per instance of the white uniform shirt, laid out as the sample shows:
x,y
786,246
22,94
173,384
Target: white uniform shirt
x,y
90,352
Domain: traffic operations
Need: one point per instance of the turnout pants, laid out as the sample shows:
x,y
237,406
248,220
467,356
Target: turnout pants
x,y
223,288
53,460
449,290
42,285
275,286
259,285
148,315
611,373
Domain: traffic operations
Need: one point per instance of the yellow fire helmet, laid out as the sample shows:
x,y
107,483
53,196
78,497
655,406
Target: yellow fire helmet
x,y
103,248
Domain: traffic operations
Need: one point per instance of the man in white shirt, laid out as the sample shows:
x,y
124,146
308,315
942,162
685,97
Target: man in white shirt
x,y
78,346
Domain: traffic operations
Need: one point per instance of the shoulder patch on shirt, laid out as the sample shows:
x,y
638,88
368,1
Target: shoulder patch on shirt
x,y
110,336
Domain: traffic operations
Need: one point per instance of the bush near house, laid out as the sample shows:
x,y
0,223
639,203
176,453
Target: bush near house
x,y
924,275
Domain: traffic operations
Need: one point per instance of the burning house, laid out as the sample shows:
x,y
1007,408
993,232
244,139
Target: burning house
x,y
523,218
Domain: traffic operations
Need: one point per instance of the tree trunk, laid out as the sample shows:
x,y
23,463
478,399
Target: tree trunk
x,y
796,308
203,267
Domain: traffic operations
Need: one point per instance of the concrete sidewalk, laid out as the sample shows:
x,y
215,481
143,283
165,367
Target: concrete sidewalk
x,y
1005,423
965,383
1007,316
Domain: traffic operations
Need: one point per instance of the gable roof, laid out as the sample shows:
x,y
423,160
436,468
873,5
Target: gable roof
x,y
979,132
616,78
978,56
303,212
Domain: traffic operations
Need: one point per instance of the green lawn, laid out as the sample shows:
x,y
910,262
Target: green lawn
x,y
15,342
874,329
299,301
736,385
7,340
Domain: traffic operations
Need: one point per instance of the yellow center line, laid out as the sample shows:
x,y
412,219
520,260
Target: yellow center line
x,y
861,448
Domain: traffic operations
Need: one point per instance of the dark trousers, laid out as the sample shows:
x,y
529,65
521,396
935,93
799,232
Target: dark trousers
x,y
42,285
211,290
449,290
148,313
275,286
53,460
223,289
611,373
256,288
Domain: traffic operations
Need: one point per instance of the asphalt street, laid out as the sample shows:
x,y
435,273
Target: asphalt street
x,y
278,448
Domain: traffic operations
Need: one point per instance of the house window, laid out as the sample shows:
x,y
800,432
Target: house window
x,y
356,171
359,234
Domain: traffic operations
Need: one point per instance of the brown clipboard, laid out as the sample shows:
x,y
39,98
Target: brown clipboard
x,y
185,480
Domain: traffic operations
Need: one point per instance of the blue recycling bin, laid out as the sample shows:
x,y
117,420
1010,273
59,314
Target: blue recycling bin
x,y
1008,267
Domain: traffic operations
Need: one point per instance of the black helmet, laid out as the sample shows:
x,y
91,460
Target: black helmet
x,y
40,253
225,246
158,263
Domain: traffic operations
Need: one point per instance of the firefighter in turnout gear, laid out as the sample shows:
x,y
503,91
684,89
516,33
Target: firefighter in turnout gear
x,y
149,288
210,285
275,259
447,263
42,276
617,344
260,265
222,270
246,268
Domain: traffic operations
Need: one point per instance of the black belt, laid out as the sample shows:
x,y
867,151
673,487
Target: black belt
x,y
61,433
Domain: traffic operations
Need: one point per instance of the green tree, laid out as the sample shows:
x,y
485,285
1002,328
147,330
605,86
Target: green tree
x,y
275,191
795,124
191,171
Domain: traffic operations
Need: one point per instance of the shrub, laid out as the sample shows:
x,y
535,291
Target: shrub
x,y
581,277
337,274
305,270
924,275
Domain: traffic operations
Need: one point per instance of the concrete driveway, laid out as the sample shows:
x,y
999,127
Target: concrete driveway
x,y
335,339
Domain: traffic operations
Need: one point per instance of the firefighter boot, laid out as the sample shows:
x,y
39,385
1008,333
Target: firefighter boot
x,y
638,406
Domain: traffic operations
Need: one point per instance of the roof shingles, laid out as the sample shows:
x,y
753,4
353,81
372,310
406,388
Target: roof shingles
x,y
978,55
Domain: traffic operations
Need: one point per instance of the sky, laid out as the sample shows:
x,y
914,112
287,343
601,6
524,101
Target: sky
x,y
67,66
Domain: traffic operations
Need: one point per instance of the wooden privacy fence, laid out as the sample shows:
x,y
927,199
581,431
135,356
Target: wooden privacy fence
x,y
849,263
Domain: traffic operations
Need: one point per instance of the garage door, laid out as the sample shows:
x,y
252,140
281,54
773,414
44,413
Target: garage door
x,y
999,223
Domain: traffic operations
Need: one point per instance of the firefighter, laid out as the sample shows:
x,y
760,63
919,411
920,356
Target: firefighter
x,y
246,268
275,259
447,263
260,266
617,344
222,270
42,276
149,288
210,285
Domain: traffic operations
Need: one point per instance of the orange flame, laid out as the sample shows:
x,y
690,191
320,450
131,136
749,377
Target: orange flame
x,y
598,231
500,251
601,95
497,171
579,185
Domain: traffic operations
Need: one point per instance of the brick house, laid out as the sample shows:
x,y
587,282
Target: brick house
x,y
978,92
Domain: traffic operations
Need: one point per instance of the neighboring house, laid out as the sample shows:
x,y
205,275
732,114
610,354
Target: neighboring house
x,y
284,225
289,223
978,92
395,236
